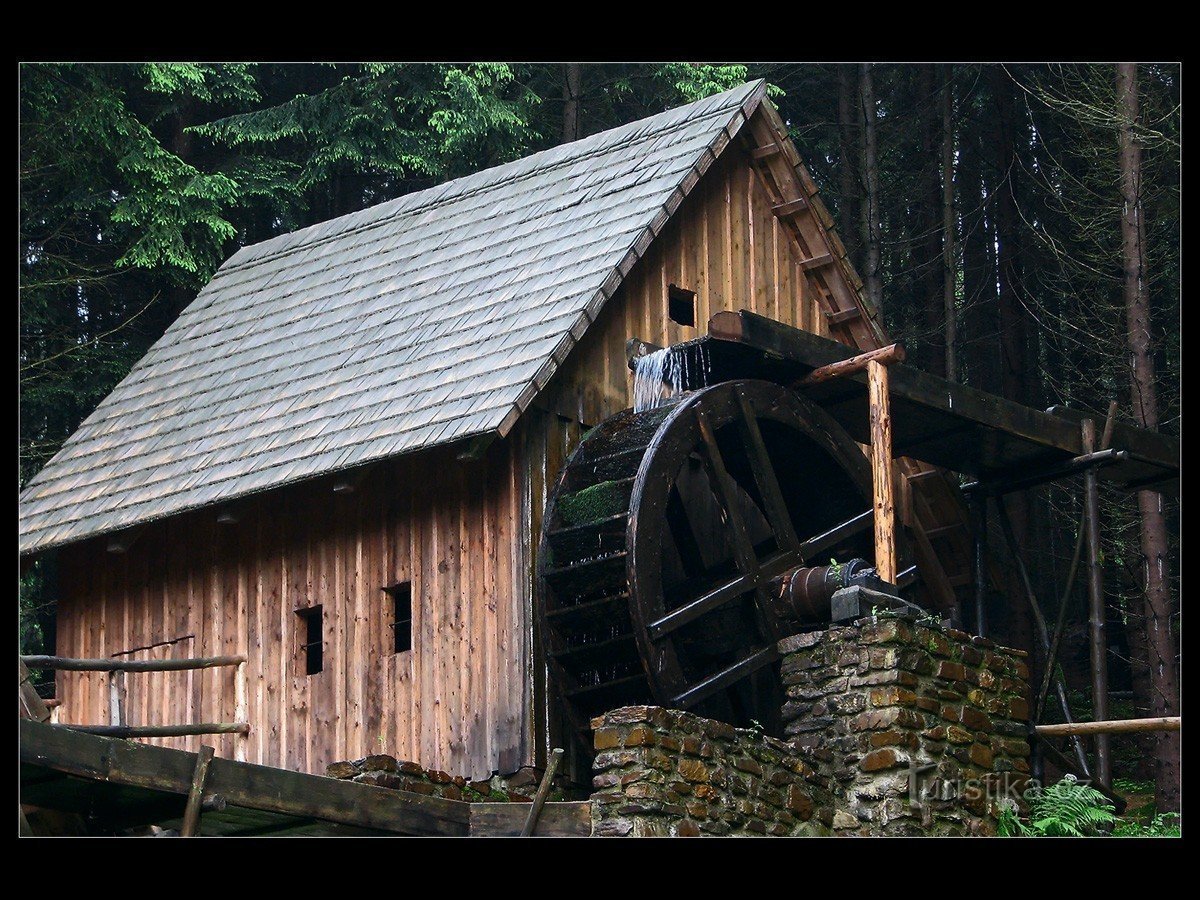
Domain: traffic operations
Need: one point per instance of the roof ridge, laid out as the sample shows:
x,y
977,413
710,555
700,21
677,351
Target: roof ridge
x,y
407,204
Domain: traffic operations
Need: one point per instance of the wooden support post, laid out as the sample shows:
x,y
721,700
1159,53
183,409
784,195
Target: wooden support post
x,y
1096,610
240,711
1043,638
881,471
1059,624
116,698
191,815
980,507
543,791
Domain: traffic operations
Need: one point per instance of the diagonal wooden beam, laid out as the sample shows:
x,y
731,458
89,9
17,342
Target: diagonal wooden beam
x,y
764,476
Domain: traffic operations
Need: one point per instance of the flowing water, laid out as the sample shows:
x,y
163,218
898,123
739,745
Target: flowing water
x,y
659,376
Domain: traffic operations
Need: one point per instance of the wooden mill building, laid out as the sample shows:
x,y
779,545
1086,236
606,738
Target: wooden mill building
x,y
336,460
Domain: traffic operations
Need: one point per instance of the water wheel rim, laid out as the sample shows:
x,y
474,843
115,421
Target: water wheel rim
x,y
676,438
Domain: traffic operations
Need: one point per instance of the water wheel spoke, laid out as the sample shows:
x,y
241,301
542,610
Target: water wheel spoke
x,y
727,496
683,535
723,679
677,618
743,546
819,544
712,594
765,477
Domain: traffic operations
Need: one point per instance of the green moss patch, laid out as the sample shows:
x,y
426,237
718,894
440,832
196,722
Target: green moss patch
x,y
608,498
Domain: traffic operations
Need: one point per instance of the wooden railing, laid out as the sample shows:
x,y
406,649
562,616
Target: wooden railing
x,y
116,668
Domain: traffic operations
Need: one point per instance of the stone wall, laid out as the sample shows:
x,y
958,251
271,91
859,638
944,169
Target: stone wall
x,y
667,772
923,729
386,771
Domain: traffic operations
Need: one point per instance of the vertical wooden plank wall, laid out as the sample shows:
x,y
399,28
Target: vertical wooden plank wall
x,y
725,244
459,700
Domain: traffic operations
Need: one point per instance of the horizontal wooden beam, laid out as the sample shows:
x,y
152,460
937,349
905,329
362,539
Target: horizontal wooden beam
x,y
815,262
956,403
892,353
995,487
765,152
66,664
841,316
790,208
1112,726
242,785
1151,447
160,731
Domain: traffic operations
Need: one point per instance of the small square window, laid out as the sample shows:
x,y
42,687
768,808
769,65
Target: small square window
x,y
401,623
681,305
313,632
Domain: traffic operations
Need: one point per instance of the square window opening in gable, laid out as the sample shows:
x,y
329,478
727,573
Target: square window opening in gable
x,y
312,629
402,615
681,305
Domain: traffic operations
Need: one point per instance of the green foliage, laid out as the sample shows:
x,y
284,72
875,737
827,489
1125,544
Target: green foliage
x,y
1133,786
1008,823
388,124
1065,809
693,81
1162,825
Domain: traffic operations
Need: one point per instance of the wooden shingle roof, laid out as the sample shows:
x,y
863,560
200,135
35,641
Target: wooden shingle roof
x,y
428,319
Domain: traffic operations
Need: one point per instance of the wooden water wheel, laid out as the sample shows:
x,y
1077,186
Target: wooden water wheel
x,y
664,537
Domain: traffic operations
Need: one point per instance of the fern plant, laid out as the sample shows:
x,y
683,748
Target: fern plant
x,y
1065,809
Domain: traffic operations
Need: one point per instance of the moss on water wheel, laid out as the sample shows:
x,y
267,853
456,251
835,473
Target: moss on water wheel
x,y
592,503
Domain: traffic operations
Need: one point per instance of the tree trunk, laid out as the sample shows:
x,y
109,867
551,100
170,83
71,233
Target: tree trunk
x,y
1009,312
930,262
1160,642
570,119
949,224
870,211
1143,690
978,364
850,199
1013,378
